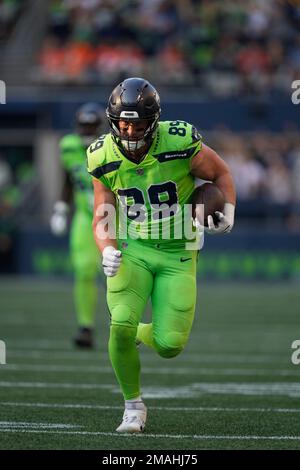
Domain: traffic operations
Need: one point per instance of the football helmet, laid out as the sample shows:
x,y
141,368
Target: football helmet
x,y
89,121
134,99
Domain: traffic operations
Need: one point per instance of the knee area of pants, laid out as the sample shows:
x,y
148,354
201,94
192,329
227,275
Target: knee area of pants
x,y
122,335
170,346
122,315
168,352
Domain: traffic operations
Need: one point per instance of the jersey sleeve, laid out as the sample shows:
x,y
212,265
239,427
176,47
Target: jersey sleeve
x,y
96,163
179,140
192,140
196,140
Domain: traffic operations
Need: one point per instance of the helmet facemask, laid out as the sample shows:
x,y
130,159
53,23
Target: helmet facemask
x,y
129,144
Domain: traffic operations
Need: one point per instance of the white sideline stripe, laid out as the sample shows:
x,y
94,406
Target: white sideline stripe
x,y
160,408
159,436
154,370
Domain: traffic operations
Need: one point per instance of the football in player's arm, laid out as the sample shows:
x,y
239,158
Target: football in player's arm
x,y
145,162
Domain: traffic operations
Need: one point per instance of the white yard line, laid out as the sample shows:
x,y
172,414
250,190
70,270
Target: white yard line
x,y
56,368
160,408
54,354
65,406
45,348
159,436
28,424
54,385
295,372
192,390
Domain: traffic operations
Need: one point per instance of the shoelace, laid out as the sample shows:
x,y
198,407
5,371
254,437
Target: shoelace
x,y
130,418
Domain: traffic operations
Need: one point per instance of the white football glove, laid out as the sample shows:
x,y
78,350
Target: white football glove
x,y
59,218
225,222
111,260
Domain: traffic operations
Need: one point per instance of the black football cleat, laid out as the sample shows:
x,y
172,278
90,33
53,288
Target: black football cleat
x,y
84,338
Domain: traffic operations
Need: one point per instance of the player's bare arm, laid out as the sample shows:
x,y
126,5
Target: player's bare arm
x,y
209,166
102,196
104,205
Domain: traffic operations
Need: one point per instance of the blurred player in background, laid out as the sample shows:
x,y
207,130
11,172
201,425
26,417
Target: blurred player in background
x,y
78,190
146,162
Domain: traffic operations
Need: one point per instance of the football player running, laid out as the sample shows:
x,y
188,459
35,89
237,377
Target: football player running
x,y
141,165
78,188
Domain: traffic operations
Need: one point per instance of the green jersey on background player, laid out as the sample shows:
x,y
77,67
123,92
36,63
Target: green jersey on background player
x,y
78,191
147,170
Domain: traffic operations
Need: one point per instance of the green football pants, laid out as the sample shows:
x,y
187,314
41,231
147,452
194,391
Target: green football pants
x,y
85,261
169,279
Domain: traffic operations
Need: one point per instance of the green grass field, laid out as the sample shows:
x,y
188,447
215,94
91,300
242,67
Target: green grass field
x,y
234,387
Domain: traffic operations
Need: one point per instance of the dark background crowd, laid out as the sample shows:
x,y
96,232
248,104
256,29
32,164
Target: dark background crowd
x,y
207,50
226,47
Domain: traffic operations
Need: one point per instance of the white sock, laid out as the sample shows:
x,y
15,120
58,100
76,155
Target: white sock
x,y
134,400
135,403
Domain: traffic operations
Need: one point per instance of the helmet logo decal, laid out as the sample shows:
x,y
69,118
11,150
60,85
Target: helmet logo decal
x,y
129,114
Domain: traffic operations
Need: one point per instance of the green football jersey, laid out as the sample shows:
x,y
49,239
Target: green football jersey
x,y
152,193
73,157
